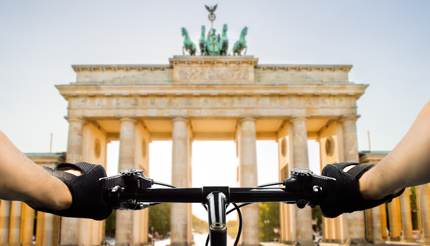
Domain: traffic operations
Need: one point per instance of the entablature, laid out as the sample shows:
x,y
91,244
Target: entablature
x,y
91,90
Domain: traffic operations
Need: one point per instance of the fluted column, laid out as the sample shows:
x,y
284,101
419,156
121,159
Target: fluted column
x,y
298,144
142,159
424,196
15,223
47,229
69,226
27,226
395,219
246,140
405,207
124,218
4,221
376,225
181,177
356,219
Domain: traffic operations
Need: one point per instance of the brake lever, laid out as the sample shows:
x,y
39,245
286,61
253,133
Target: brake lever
x,y
311,186
118,188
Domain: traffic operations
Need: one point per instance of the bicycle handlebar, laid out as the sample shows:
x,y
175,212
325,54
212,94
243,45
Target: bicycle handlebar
x,y
132,190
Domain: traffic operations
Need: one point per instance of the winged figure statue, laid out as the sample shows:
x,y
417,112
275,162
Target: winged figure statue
x,y
211,9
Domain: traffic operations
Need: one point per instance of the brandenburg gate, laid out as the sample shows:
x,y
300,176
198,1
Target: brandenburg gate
x,y
215,98
212,98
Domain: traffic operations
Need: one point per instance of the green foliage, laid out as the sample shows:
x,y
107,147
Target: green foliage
x,y
232,227
200,226
268,221
317,216
110,224
414,209
159,219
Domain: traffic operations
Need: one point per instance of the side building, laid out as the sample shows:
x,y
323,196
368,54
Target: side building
x,y
22,225
404,219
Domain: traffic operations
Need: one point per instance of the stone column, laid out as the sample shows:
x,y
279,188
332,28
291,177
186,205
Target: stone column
x,y
47,229
124,218
405,207
142,151
15,223
27,225
4,221
376,225
383,220
356,219
424,197
298,149
395,219
246,140
69,226
181,177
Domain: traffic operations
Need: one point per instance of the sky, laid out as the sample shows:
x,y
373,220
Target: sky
x,y
387,42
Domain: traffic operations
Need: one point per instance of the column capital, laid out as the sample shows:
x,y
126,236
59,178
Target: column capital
x,y
350,117
76,119
296,119
247,119
180,118
127,119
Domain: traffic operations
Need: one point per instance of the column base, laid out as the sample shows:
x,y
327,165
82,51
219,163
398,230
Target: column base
x,y
423,242
135,244
338,242
299,243
181,244
360,241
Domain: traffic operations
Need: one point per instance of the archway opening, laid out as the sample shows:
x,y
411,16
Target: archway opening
x,y
315,166
111,169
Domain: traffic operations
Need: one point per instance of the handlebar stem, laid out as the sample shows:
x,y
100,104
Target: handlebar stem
x,y
217,218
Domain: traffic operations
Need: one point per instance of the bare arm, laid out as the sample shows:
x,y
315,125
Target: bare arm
x,y
407,165
21,179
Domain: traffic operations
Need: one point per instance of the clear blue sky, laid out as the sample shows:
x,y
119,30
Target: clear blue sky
x,y
387,41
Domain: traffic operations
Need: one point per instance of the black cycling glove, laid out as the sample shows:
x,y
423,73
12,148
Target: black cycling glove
x,y
345,196
87,192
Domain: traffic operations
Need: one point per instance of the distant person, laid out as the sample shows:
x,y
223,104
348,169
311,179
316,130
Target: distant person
x,y
73,189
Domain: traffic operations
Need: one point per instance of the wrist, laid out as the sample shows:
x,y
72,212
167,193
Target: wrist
x,y
56,197
364,187
368,188
62,198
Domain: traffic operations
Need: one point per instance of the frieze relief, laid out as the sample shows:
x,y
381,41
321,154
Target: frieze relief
x,y
213,74
159,102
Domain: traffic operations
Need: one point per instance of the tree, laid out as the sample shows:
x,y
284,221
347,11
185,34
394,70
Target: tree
x,y
159,219
268,221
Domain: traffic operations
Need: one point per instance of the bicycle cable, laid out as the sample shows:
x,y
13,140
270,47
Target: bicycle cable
x,y
163,184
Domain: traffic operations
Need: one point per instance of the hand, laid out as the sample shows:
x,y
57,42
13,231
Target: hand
x,y
87,193
345,196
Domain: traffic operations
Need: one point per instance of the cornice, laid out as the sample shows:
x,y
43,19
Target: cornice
x,y
305,67
119,67
216,60
213,60
88,90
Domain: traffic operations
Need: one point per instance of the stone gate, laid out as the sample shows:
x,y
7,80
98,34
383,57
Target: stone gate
x,y
212,98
